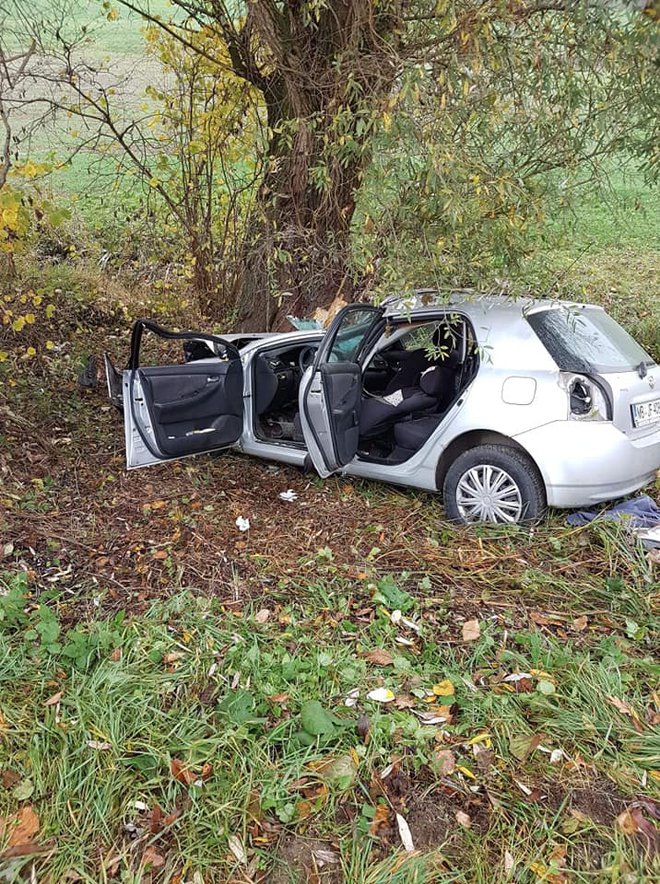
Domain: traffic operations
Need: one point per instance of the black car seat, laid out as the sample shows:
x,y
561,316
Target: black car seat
x,y
411,435
265,384
377,413
411,364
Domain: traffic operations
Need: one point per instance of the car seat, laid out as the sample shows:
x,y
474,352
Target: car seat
x,y
378,413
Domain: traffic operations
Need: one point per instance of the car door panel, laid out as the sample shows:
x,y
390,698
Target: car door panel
x,y
342,384
331,391
194,407
174,411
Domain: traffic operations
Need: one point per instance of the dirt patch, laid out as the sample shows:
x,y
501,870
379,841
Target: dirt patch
x,y
300,860
599,799
434,817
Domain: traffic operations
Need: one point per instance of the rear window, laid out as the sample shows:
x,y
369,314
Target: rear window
x,y
587,341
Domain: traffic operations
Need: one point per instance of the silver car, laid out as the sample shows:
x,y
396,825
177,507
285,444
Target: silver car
x,y
505,407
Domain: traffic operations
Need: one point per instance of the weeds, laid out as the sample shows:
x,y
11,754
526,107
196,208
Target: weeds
x,y
96,719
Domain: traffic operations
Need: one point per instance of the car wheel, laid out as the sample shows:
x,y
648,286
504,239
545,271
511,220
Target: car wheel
x,y
493,483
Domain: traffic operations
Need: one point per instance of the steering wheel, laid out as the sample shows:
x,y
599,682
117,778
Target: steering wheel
x,y
306,357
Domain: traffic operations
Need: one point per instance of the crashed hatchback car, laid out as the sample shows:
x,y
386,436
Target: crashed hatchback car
x,y
505,407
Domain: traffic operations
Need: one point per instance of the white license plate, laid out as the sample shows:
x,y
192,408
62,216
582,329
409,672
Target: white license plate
x,y
646,413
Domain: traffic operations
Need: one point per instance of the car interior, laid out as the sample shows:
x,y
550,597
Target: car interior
x,y
409,386
277,376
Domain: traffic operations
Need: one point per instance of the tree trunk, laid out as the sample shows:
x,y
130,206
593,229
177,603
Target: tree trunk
x,y
324,82
298,255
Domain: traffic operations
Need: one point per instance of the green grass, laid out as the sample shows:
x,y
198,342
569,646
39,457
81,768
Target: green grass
x,y
210,685
116,36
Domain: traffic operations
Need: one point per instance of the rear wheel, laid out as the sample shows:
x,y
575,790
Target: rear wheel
x,y
493,483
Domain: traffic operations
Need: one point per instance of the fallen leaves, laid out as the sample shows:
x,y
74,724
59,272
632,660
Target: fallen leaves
x,y
9,779
237,848
152,859
623,707
471,631
522,745
443,689
21,827
463,819
55,699
381,819
445,762
379,656
381,695
633,823
405,833
627,710
183,773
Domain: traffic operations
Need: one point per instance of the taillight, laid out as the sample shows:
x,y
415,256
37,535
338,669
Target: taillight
x,y
587,400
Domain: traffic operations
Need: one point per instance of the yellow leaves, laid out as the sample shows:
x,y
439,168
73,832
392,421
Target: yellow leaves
x,y
443,689
18,324
29,170
49,311
30,352
4,355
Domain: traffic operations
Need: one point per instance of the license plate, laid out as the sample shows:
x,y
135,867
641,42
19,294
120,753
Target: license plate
x,y
646,413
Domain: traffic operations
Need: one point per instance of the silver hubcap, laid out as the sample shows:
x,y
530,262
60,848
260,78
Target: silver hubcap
x,y
488,494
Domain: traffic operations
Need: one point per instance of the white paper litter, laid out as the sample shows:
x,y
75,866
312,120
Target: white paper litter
x,y
430,717
242,524
289,495
352,698
405,834
395,398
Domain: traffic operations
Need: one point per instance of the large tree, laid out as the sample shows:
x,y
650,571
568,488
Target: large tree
x,y
550,81
385,134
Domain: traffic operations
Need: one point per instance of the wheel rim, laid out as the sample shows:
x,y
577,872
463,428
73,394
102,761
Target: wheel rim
x,y
486,493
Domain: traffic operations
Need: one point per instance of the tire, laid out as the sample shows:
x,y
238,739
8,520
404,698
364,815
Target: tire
x,y
517,489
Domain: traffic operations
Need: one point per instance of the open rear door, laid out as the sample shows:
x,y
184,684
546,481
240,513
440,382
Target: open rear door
x,y
174,411
331,390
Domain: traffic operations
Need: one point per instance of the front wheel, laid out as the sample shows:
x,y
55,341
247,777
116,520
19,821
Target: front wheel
x,y
493,483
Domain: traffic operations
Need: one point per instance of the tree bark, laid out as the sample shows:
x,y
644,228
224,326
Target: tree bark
x,y
323,78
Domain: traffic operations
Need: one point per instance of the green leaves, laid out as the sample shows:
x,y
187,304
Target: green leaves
x,y
315,720
389,594
239,707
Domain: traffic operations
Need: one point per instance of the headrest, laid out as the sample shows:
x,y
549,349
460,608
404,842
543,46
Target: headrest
x,y
432,381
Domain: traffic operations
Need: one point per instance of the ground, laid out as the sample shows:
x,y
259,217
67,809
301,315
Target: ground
x,y
183,701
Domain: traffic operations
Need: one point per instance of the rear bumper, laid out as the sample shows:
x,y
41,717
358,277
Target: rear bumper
x,y
590,462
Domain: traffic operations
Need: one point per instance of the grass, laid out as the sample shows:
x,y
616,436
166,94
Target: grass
x,y
208,684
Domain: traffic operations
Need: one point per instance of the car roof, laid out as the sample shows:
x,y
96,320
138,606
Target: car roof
x,y
472,303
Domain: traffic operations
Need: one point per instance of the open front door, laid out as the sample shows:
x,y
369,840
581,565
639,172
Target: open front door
x,y
331,390
175,411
